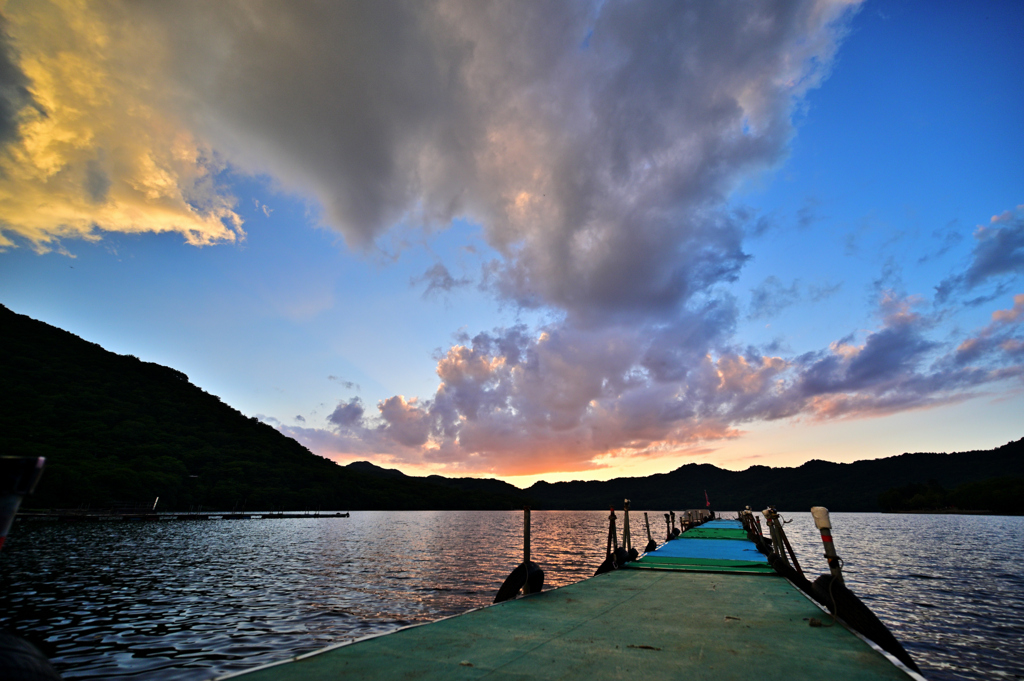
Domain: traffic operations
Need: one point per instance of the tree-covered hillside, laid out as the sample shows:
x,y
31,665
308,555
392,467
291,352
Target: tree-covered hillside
x,y
115,429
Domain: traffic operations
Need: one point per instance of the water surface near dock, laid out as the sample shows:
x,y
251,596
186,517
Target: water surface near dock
x,y
190,600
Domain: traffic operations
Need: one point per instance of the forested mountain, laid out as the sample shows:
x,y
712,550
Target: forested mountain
x,y
116,429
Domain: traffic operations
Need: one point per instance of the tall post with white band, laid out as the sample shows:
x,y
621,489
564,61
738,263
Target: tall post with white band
x,y
824,525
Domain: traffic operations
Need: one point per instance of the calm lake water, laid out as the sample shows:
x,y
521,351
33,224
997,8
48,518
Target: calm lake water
x,y
194,599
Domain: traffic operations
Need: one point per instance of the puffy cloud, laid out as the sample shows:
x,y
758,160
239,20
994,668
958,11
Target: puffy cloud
x,y
336,444
856,379
574,399
100,152
406,422
897,367
571,399
565,399
347,414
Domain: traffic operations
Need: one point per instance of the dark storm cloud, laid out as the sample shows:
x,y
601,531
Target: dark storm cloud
x,y
597,167
361,105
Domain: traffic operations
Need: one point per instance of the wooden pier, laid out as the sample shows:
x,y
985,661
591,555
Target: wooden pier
x,y
705,606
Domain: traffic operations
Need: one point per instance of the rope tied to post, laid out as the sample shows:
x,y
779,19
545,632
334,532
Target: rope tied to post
x,y
651,545
615,557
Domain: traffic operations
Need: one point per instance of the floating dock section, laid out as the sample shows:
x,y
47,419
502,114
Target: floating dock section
x,y
704,606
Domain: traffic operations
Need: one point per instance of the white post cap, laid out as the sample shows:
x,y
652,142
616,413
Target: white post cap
x,y
821,519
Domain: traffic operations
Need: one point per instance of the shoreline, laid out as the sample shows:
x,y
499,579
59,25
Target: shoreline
x,y
952,511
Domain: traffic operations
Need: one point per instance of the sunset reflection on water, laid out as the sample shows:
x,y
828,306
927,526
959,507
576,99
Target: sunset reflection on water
x,y
190,599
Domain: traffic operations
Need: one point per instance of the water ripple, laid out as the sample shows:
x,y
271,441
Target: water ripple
x,y
191,600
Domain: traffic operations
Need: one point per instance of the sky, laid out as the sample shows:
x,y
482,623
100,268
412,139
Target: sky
x,y
546,240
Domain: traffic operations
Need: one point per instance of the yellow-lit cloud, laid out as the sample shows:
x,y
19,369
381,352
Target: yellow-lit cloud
x,y
100,152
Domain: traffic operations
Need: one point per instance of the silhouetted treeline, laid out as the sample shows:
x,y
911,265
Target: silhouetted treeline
x,y
116,429
839,486
999,495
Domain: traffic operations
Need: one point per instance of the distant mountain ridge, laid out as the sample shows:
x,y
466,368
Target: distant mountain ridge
x,y
116,429
840,486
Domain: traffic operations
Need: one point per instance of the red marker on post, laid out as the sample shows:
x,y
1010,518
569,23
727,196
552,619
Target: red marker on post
x,y
824,524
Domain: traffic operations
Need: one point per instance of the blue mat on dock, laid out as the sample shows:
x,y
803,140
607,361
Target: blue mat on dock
x,y
710,548
707,554
725,524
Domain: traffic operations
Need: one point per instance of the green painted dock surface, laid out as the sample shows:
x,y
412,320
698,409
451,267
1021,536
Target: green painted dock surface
x,y
628,624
